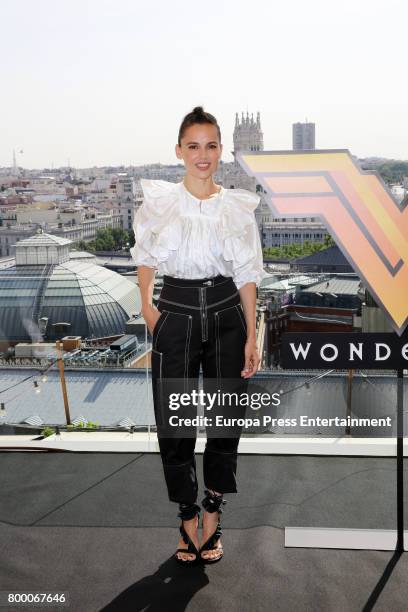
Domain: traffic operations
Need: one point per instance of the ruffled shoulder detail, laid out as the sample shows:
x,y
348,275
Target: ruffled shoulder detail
x,y
240,234
160,199
237,211
157,223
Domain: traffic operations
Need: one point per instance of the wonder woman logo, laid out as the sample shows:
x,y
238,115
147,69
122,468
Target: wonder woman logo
x,y
368,225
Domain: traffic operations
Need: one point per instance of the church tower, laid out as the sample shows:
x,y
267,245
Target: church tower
x,y
248,135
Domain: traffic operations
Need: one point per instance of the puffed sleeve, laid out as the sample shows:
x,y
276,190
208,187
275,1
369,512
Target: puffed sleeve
x,y
242,244
142,228
156,223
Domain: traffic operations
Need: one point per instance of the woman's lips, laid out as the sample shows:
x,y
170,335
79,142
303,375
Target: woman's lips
x,y
203,166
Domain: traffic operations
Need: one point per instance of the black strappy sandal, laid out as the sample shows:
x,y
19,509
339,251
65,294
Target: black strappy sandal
x,y
212,503
187,512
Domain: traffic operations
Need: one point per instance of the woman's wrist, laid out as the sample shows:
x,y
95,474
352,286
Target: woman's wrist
x,y
146,307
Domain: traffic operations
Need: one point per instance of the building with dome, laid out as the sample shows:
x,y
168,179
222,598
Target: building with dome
x,y
46,294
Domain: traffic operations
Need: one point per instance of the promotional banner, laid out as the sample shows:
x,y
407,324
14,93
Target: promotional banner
x,y
368,225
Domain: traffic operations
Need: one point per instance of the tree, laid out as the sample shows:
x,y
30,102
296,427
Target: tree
x,y
292,251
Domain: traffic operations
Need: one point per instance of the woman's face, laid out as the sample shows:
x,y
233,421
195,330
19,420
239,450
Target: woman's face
x,y
200,150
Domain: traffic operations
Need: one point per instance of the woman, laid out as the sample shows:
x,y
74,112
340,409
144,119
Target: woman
x,y
204,239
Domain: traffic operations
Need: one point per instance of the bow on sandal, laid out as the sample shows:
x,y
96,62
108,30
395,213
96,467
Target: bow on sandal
x,y
212,503
187,512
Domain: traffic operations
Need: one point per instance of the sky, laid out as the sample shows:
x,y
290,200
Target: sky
x,y
108,82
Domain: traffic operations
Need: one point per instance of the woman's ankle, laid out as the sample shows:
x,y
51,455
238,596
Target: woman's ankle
x,y
188,512
213,501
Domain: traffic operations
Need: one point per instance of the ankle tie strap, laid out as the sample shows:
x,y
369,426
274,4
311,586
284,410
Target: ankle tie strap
x,y
188,511
212,503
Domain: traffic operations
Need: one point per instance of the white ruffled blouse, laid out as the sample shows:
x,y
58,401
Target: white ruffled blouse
x,y
182,236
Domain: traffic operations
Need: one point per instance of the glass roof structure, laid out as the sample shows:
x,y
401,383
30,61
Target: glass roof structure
x,y
95,301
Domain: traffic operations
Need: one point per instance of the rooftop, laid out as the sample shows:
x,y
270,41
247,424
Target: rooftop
x,y
99,527
331,256
87,514
93,299
339,285
111,397
42,239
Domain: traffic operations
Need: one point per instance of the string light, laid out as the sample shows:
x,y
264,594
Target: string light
x,y
306,383
43,376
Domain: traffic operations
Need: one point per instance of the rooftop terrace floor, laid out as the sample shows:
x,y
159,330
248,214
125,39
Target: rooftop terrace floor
x,y
99,527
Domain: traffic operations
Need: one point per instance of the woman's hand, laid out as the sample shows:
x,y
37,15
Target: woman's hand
x,y
151,315
252,358
248,300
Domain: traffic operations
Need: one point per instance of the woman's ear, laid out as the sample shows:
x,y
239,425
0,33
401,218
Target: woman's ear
x,y
178,151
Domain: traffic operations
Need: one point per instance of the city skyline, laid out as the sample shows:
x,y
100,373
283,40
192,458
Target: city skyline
x,y
99,84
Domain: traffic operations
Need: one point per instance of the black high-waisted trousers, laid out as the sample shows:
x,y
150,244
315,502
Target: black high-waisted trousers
x,y
201,323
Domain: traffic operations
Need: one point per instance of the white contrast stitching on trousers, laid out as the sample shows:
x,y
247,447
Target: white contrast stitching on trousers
x,y
199,307
240,317
217,345
187,349
159,330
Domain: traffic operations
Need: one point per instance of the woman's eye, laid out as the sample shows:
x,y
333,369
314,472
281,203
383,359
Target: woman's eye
x,y
213,146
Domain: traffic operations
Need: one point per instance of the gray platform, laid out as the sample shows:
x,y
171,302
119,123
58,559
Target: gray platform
x,y
100,527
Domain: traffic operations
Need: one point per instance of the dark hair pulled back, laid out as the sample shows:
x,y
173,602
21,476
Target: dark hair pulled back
x,y
197,115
